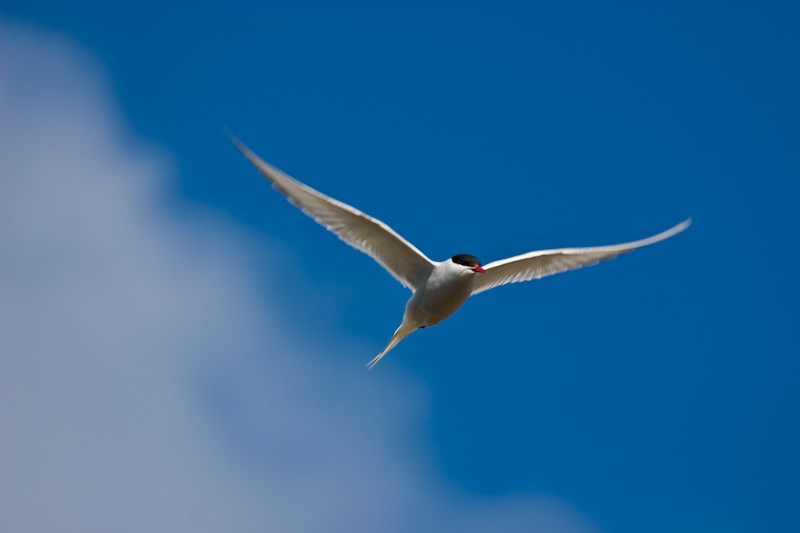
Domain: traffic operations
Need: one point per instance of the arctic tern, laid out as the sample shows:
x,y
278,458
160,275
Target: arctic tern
x,y
439,288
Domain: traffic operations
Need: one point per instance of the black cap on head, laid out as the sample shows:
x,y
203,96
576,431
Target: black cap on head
x,y
466,260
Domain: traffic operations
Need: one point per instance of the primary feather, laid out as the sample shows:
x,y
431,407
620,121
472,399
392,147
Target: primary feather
x,y
539,264
398,256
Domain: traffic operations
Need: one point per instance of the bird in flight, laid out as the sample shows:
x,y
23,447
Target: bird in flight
x,y
439,288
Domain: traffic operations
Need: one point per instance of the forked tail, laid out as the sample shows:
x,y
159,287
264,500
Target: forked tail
x,y
402,332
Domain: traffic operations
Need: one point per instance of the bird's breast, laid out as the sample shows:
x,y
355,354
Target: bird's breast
x,y
439,298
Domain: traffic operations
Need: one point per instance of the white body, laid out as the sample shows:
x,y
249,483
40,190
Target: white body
x,y
440,289
440,295
436,297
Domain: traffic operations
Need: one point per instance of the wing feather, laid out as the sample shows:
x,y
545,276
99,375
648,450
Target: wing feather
x,y
535,265
398,256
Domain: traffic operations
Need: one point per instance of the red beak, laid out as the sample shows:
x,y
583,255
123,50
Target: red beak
x,y
479,269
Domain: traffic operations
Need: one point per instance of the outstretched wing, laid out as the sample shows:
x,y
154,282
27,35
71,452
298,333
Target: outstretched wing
x,y
534,265
398,256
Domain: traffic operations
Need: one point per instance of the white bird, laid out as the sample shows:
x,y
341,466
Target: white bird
x,y
439,288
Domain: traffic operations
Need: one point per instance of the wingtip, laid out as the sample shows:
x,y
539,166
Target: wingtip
x,y
248,153
235,140
671,232
683,225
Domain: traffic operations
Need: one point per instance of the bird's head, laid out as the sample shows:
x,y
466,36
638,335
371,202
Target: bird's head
x,y
469,262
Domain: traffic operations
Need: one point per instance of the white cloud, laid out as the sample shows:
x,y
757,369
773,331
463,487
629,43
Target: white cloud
x,y
144,386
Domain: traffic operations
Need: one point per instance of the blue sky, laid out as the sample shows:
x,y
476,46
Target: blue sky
x,y
178,358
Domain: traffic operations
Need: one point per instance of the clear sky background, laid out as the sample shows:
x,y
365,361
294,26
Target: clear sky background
x,y
182,350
